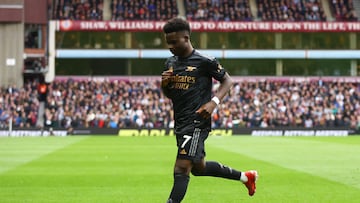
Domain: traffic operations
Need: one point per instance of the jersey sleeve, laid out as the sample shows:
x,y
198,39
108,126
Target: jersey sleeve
x,y
216,70
166,65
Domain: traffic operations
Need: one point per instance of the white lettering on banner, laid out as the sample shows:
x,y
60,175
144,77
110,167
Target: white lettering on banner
x,y
333,26
332,133
31,133
132,25
159,25
196,25
311,26
212,26
299,133
209,25
353,26
286,26
267,133
93,25
290,133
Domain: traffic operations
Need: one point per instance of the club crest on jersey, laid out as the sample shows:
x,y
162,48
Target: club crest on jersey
x,y
190,68
219,68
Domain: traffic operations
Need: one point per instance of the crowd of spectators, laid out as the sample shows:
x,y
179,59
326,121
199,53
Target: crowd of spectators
x,y
21,104
290,10
218,10
344,10
141,104
204,10
143,9
78,10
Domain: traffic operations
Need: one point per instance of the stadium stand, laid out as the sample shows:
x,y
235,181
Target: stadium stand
x,y
21,103
290,10
143,10
78,10
136,104
114,104
344,10
207,10
218,10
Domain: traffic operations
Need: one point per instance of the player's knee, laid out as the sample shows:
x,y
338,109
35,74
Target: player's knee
x,y
183,166
181,170
198,169
197,172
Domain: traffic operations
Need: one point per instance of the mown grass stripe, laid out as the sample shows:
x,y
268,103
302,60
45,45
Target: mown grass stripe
x,y
15,151
317,156
139,170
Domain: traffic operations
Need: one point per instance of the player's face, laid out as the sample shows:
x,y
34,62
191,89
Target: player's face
x,y
177,43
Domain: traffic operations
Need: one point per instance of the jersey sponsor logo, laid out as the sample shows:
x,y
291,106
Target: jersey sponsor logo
x,y
181,86
183,78
182,82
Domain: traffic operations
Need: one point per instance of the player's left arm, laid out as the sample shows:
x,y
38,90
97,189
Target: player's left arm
x,y
225,85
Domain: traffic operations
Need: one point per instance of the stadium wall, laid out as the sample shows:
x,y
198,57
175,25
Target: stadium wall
x,y
11,53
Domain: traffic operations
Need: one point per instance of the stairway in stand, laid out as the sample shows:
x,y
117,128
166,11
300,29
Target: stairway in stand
x,y
326,5
357,8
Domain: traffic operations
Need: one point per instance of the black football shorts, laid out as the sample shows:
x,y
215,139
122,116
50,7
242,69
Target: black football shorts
x,y
192,146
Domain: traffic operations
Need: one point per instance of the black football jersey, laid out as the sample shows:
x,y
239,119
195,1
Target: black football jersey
x,y
191,87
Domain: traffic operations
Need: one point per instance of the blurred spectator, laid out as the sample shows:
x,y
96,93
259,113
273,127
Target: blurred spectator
x,y
78,10
344,10
34,65
290,10
20,105
143,9
218,10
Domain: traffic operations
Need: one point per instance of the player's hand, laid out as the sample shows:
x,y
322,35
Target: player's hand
x,y
206,110
166,77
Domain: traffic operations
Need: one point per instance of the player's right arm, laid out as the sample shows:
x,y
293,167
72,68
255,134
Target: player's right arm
x,y
165,80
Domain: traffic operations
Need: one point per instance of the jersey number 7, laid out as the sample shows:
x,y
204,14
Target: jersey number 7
x,y
187,139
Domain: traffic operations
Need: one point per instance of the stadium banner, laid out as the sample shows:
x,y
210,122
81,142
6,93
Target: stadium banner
x,y
165,132
147,78
32,132
58,132
209,26
289,132
217,53
159,132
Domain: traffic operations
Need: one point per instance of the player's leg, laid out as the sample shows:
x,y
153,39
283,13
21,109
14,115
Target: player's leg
x,y
216,169
184,161
211,168
182,170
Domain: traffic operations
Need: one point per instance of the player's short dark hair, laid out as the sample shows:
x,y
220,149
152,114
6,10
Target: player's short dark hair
x,y
175,25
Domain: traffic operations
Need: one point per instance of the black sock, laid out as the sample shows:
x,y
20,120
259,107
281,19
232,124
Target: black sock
x,y
179,188
216,169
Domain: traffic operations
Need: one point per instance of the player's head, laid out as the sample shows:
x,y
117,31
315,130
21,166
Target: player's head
x,y
177,35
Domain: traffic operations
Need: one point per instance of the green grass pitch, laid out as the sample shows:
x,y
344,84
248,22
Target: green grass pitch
x,y
86,169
